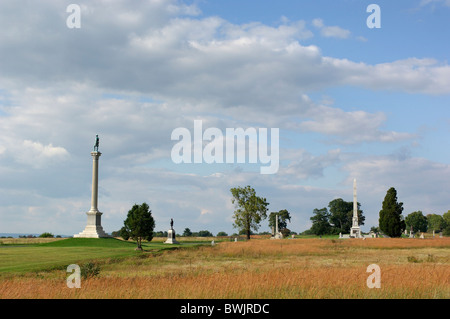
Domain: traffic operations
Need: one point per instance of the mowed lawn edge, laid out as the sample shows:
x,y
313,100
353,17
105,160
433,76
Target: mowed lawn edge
x,y
61,253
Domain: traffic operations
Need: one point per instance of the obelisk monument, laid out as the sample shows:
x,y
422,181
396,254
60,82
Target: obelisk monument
x,y
94,227
278,234
355,231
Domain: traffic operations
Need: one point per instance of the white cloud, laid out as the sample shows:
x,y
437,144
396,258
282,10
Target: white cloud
x,y
350,127
330,31
36,154
435,2
421,184
303,165
134,75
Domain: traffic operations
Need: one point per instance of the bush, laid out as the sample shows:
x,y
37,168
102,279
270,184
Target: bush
x,y
89,270
124,233
222,233
205,233
446,231
160,234
46,235
286,232
413,259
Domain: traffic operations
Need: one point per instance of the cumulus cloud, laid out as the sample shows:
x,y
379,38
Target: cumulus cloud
x,y
132,74
303,165
330,31
199,58
350,127
36,154
445,3
421,183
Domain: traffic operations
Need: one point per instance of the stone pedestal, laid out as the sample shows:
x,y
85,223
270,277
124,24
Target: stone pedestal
x,y
94,227
171,237
355,232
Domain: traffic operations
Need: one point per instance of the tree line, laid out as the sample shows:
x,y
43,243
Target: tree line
x,y
391,222
334,220
251,209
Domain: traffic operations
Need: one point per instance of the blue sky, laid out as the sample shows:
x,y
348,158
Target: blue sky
x,y
349,101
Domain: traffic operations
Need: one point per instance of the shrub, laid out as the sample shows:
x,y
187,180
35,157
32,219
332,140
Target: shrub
x,y
46,235
222,233
286,232
413,259
89,270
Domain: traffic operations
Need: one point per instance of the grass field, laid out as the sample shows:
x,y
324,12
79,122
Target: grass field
x,y
259,268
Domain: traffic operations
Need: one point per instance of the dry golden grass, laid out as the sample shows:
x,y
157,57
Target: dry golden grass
x,y
301,268
27,241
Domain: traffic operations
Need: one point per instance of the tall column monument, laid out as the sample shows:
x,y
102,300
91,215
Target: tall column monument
x,y
94,227
355,231
277,234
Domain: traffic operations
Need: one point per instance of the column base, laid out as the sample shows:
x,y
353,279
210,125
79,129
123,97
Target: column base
x,y
92,232
93,228
171,237
277,236
355,232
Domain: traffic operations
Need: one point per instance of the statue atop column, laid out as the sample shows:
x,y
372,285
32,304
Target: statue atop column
x,y
94,227
97,143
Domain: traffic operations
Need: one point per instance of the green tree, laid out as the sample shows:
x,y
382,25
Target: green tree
x,y
159,233
250,209
283,217
341,215
390,221
374,229
435,222
139,224
205,233
46,235
115,233
417,221
221,233
124,233
187,232
446,217
320,222
285,232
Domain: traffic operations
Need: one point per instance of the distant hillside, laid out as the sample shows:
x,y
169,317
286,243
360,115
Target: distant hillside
x,y
17,235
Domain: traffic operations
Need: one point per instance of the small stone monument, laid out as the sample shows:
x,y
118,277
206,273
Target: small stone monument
x,y
440,235
171,235
421,236
411,233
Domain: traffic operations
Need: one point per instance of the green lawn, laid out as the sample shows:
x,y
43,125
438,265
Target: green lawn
x,y
60,254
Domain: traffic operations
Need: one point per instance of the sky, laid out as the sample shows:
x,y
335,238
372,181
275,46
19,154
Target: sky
x,y
349,101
